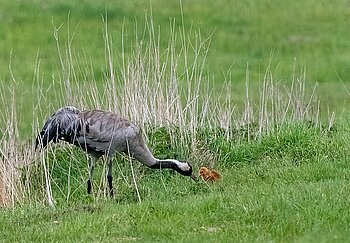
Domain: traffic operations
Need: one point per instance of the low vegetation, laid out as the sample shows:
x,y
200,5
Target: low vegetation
x,y
290,186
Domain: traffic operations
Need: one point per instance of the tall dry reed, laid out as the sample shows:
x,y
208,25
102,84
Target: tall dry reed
x,y
152,86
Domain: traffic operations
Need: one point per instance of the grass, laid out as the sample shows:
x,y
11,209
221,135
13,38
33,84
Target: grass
x,y
275,196
287,28
273,136
312,34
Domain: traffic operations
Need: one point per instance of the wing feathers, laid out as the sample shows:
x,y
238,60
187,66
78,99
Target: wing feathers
x,y
95,131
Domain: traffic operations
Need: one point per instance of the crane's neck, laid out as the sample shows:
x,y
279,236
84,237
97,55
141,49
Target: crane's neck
x,y
171,164
147,158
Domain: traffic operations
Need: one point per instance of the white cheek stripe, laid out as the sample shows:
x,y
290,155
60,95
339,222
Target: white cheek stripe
x,y
182,166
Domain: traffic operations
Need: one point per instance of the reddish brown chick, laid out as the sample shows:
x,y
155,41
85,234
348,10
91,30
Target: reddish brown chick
x,y
209,175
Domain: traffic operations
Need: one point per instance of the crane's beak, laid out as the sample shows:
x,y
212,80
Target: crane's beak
x,y
194,177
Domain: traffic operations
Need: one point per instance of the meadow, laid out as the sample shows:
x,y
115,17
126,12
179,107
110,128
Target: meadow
x,y
257,90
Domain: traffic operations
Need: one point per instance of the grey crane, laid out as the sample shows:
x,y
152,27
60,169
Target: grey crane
x,y
100,133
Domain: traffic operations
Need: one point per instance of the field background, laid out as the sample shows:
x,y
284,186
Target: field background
x,y
311,35
290,185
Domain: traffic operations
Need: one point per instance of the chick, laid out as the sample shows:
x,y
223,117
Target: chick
x,y
209,175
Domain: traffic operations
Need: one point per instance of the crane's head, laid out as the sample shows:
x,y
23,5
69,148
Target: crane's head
x,y
184,168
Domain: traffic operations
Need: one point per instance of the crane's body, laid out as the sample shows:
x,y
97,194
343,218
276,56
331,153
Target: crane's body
x,y
103,133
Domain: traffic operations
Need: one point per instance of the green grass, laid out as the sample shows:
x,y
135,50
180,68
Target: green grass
x,y
311,33
295,191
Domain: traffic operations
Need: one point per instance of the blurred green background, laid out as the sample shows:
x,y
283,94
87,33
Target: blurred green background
x,y
311,34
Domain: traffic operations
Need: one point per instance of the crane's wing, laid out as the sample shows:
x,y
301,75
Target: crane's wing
x,y
103,132
56,128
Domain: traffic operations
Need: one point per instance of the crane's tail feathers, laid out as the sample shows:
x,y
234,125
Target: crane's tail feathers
x,y
62,125
48,134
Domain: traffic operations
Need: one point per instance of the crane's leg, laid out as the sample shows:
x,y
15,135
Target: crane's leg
x,y
93,160
110,177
